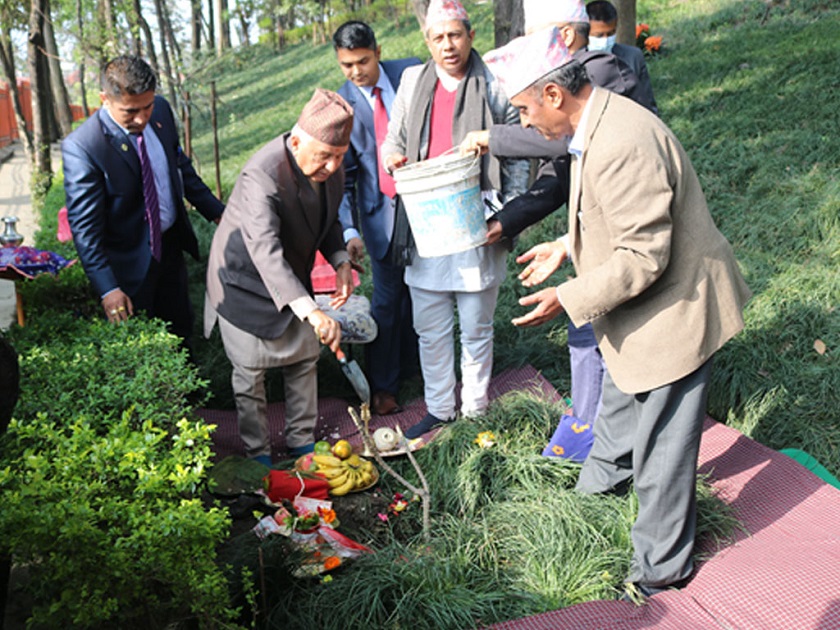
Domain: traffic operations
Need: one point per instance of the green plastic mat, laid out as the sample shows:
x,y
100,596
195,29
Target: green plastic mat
x,y
811,464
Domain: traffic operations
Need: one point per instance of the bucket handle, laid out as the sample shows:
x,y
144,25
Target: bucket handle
x,y
453,150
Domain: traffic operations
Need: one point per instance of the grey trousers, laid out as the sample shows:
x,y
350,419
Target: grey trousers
x,y
296,352
654,438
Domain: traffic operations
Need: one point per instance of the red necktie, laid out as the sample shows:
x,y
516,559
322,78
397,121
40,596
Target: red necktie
x,y
380,126
151,197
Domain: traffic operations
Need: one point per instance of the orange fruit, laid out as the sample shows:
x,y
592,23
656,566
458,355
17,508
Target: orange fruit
x,y
342,449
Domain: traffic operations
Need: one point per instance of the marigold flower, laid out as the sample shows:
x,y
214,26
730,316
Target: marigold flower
x,y
331,563
485,439
327,515
654,43
642,28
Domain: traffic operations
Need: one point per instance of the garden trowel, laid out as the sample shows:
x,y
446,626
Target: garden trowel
x,y
355,375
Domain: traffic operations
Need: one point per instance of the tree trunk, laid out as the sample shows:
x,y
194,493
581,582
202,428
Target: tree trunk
x,y
244,25
626,32
211,25
81,24
61,102
105,11
508,19
143,25
8,59
164,52
38,69
195,25
420,8
174,46
222,27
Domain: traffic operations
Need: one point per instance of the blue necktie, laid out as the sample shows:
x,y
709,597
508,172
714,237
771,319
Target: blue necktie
x,y
151,197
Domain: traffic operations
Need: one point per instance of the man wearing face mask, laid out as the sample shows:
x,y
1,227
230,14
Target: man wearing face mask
x,y
603,23
282,211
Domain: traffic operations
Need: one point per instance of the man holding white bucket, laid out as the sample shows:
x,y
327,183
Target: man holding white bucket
x,y
435,106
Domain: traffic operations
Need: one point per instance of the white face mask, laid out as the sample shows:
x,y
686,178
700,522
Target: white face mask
x,y
602,43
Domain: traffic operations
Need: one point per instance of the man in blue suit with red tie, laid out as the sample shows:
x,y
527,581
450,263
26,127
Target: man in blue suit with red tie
x,y
125,179
367,209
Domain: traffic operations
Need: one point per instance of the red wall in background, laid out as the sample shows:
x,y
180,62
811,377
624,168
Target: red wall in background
x,y
8,124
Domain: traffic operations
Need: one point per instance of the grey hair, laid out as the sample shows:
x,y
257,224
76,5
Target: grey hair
x,y
571,77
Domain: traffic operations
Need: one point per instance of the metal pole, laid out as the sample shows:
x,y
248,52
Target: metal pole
x,y
215,138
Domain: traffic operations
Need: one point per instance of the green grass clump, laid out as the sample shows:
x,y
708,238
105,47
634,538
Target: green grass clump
x,y
510,536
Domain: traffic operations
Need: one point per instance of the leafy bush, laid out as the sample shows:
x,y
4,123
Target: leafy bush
x,y
101,476
74,367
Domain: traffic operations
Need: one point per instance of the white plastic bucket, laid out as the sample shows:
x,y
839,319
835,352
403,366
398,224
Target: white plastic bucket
x,y
442,199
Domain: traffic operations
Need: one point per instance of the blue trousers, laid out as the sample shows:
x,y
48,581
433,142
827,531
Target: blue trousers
x,y
393,354
588,371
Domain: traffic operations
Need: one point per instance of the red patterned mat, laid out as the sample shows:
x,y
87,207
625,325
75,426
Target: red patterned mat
x,y
334,421
782,572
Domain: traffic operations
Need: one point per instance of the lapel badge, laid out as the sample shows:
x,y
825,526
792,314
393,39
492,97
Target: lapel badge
x,y
124,146
159,124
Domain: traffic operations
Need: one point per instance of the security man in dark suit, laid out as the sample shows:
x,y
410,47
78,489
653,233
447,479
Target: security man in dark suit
x,y
125,179
367,209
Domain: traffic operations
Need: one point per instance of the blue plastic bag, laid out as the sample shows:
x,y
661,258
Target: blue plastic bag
x,y
572,439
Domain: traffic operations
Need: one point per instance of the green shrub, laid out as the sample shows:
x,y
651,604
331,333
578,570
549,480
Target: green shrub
x,y
101,479
73,367
109,525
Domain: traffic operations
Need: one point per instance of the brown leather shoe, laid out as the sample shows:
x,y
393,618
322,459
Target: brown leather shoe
x,y
384,403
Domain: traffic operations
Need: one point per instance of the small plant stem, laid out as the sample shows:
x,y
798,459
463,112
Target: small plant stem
x,y
424,493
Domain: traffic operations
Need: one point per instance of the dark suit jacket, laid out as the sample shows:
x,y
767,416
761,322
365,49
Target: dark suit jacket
x,y
264,249
363,206
104,190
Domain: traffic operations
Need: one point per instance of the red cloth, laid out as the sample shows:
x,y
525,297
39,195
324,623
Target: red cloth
x,y
323,276
63,233
440,126
286,484
380,125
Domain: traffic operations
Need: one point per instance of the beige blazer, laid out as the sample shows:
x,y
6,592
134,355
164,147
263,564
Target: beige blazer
x,y
657,280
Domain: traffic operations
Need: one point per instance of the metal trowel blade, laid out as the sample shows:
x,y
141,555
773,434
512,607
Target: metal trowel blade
x,y
356,377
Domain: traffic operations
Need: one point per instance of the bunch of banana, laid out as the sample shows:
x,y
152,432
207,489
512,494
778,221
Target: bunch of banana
x,y
345,475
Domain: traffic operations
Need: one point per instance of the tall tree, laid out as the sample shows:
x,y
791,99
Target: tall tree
x,y
222,26
164,52
195,25
7,57
141,25
420,8
39,77
105,9
211,25
626,32
80,24
508,20
58,89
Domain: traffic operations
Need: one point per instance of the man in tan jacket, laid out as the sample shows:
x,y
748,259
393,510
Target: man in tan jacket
x,y
656,279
